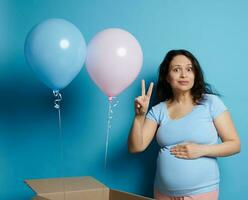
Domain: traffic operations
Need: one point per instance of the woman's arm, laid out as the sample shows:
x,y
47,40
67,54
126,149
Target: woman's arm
x,y
141,134
229,146
229,137
142,130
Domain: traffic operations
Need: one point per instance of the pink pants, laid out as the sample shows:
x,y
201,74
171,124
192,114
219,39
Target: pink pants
x,y
204,196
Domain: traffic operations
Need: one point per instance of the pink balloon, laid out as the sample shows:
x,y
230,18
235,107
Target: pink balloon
x,y
114,60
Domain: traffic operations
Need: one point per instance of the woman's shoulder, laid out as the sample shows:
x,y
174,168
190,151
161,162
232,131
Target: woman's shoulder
x,y
213,101
210,98
215,104
158,108
156,112
159,105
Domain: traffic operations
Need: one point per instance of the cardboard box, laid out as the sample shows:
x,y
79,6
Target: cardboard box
x,y
79,188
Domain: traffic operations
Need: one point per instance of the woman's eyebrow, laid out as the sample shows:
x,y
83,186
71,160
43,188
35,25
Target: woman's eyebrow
x,y
178,65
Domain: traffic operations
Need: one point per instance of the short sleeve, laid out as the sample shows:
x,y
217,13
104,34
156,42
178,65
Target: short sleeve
x,y
155,113
216,106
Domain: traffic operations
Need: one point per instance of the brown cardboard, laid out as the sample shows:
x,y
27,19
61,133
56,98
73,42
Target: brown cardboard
x,y
78,188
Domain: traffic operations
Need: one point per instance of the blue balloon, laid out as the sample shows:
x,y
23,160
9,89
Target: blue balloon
x,y
56,50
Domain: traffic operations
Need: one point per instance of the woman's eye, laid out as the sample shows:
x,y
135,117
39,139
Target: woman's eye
x,y
176,70
189,69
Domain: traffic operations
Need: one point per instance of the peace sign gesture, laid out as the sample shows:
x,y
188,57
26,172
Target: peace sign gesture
x,y
142,102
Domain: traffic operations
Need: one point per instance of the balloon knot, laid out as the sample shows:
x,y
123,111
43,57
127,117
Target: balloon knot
x,y
58,98
110,98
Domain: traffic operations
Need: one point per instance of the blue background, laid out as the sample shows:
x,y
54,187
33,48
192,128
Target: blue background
x,y
215,31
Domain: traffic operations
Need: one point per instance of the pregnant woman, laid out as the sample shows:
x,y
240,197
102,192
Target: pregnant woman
x,y
187,122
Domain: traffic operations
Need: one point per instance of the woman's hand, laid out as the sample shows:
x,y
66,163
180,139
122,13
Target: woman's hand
x,y
142,102
188,150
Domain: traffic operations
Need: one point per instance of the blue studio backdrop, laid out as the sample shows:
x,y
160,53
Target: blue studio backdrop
x,y
215,31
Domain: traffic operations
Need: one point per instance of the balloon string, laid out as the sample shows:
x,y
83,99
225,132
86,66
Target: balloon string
x,y
57,101
112,104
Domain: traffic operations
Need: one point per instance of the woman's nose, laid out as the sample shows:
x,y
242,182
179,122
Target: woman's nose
x,y
183,73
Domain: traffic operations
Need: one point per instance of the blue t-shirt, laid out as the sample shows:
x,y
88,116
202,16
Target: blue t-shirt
x,y
176,176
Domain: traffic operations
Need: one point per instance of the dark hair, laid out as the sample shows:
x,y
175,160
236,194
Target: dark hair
x,y
164,91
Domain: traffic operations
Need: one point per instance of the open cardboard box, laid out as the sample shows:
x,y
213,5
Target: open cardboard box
x,y
79,188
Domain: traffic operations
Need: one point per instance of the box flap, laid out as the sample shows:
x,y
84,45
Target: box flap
x,y
61,185
39,198
81,195
120,195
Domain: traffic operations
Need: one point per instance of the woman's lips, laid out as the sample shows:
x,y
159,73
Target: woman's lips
x,y
183,82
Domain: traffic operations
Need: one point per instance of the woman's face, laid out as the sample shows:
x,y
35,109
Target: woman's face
x,y
181,74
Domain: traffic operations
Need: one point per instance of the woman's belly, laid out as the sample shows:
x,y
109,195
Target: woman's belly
x,y
183,174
